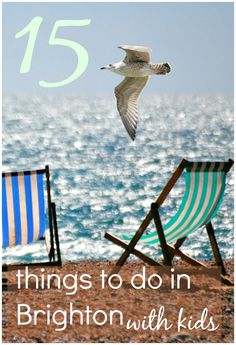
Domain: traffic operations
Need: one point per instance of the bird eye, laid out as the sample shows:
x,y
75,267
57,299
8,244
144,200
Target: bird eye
x,y
110,64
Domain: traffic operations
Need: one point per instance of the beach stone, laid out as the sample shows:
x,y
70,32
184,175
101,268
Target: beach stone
x,y
38,340
180,338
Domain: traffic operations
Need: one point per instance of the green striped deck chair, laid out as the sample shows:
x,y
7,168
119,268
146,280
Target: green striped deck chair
x,y
204,190
24,215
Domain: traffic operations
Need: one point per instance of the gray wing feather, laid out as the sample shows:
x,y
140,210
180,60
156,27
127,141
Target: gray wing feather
x,y
127,93
136,53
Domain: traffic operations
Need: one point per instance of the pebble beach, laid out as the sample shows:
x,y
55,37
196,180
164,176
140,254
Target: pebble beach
x,y
137,309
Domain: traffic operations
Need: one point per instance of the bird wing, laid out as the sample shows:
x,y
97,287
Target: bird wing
x,y
127,93
136,53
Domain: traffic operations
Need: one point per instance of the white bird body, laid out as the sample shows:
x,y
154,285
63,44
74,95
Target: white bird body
x,y
136,68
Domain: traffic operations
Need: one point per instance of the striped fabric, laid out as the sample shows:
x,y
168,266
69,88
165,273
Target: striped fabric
x,y
23,207
204,189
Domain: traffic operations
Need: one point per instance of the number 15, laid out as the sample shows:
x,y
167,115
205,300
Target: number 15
x,y
82,56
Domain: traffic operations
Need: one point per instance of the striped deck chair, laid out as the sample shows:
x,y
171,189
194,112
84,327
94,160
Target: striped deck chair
x,y
24,216
204,190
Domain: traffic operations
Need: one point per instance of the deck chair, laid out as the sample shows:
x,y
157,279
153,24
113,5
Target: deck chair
x,y
24,216
204,189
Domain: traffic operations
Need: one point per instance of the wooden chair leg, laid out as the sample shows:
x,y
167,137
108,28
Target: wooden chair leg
x,y
135,252
54,217
130,247
164,246
215,248
4,268
179,242
4,284
176,252
176,246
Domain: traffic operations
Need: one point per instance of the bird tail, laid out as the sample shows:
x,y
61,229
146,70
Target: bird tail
x,y
162,68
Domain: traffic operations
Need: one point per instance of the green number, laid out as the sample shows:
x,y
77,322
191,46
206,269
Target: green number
x,y
80,51
32,28
82,56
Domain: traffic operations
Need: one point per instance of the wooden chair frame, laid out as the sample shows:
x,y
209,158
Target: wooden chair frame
x,y
168,251
54,253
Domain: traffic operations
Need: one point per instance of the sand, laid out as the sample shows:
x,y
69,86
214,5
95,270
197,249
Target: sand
x,y
132,303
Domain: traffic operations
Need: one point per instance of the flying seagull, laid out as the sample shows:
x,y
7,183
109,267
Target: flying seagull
x,y
136,68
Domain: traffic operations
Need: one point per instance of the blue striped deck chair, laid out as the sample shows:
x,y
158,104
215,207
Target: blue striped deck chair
x,y
25,217
204,190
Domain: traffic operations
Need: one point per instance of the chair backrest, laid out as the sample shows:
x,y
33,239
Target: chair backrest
x,y
204,189
23,206
206,183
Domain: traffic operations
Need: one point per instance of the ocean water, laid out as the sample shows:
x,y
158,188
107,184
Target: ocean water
x,y
101,181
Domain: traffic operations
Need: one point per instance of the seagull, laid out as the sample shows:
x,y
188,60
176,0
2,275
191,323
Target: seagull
x,y
136,68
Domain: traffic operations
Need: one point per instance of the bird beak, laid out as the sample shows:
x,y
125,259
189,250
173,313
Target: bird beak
x,y
103,68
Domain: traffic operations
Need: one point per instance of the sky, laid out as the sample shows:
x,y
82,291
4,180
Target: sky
x,y
195,38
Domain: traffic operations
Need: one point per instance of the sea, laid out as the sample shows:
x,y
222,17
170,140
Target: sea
x,y
102,181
